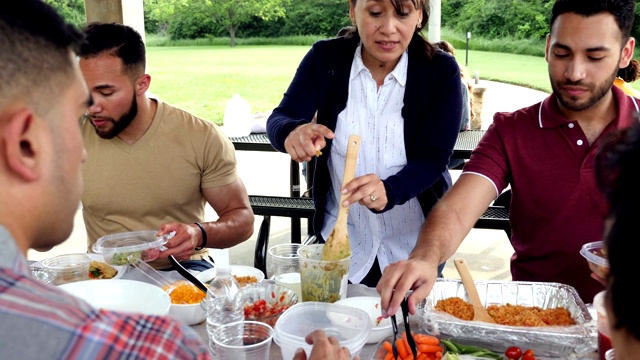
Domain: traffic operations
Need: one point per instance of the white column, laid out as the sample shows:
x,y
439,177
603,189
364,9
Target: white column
x,y
434,20
133,15
127,12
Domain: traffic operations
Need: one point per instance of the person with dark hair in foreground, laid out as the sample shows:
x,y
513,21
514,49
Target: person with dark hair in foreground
x,y
619,179
546,154
42,99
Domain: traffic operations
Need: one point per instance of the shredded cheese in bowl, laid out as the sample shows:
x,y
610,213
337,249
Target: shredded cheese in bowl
x,y
184,292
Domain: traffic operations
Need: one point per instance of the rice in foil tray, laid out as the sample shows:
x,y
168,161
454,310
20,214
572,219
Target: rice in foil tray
x,y
574,341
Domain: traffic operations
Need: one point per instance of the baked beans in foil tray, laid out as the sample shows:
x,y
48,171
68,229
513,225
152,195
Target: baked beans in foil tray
x,y
571,341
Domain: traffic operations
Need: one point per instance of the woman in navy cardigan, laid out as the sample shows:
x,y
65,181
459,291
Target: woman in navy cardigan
x,y
386,83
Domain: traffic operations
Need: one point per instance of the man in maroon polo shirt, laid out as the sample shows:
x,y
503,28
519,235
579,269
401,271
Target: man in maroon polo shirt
x,y
546,154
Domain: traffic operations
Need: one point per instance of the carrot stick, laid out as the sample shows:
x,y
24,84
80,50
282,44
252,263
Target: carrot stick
x,y
402,351
387,346
405,342
389,356
426,339
429,348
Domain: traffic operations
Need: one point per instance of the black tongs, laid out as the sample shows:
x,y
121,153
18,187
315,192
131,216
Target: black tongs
x,y
405,318
187,275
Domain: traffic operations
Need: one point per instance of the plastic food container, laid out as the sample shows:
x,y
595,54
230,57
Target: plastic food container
x,y
124,248
597,258
266,302
67,268
350,326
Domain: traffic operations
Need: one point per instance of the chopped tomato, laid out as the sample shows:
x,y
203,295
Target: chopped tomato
x,y
261,309
528,355
513,352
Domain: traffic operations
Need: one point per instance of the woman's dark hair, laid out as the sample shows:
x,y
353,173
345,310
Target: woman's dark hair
x,y
418,42
631,72
617,172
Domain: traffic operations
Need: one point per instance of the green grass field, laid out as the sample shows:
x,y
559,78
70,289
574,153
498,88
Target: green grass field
x,y
200,79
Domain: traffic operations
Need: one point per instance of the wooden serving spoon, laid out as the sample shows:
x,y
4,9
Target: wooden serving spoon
x,y
337,245
479,312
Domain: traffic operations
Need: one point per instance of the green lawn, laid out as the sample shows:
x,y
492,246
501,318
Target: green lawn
x,y
200,79
529,71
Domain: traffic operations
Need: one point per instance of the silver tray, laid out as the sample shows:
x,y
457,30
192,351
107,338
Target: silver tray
x,y
548,341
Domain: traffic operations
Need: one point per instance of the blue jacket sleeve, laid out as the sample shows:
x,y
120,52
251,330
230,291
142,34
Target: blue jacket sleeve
x,y
432,121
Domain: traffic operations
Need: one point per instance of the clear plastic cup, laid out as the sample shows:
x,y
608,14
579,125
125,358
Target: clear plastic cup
x,y
291,281
283,259
256,341
68,268
324,281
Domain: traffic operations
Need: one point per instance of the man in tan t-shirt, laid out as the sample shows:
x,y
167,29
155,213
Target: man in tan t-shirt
x,y
152,166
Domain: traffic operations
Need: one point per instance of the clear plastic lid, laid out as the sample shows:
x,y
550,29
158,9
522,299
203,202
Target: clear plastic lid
x,y
594,252
350,326
124,248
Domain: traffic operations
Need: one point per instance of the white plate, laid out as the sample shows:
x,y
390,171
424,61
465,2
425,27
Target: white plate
x,y
96,257
237,270
243,270
121,295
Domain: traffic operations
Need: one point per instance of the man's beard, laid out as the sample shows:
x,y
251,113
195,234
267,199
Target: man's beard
x,y
120,124
598,92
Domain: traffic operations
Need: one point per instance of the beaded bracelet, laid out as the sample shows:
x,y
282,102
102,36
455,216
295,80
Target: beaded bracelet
x,y
204,237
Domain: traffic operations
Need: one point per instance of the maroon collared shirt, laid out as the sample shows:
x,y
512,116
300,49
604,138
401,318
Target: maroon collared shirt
x,y
556,205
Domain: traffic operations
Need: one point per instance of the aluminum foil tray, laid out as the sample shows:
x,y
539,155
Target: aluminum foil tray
x,y
549,341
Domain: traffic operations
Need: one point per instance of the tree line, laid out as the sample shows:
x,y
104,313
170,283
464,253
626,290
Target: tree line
x,y
191,19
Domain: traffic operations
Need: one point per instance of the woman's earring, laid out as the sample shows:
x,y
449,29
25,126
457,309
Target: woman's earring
x,y
419,26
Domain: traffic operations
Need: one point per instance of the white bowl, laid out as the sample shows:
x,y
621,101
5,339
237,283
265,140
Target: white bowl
x,y
380,328
189,314
192,313
121,295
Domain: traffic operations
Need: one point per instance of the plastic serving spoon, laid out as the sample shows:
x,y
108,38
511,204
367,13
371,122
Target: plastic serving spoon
x,y
337,245
479,312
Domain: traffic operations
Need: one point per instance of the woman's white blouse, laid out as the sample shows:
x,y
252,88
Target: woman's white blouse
x,y
375,115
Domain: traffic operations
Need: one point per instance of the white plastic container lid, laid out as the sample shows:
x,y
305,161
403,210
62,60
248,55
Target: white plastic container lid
x,y
350,326
588,249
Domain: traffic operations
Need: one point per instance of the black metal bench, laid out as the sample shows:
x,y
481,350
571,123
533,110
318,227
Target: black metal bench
x,y
495,217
